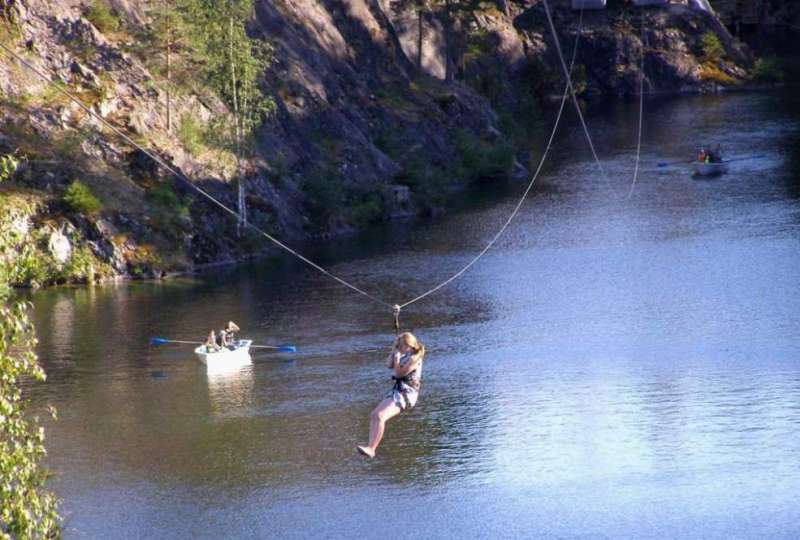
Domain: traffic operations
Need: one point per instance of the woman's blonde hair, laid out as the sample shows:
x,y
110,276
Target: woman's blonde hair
x,y
410,341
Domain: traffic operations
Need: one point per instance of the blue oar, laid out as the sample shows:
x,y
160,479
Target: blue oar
x,y
164,341
281,348
668,163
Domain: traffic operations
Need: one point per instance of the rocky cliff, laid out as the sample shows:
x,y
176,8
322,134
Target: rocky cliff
x,y
383,109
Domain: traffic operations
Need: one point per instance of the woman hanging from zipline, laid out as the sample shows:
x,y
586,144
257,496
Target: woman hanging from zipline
x,y
406,362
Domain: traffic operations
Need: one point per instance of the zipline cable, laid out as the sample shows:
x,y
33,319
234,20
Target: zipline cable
x,y
575,97
641,109
189,183
580,113
568,90
530,185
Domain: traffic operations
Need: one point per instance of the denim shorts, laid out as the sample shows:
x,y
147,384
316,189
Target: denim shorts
x,y
404,397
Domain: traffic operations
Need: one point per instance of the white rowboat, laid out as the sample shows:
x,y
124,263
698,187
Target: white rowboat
x,y
239,354
709,169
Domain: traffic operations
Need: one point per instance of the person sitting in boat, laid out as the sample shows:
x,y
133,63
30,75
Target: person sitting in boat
x,y
406,362
211,342
716,155
701,157
228,335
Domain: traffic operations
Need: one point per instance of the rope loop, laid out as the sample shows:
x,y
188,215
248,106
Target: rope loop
x,y
396,311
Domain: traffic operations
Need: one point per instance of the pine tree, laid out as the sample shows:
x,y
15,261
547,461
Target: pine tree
x,y
165,39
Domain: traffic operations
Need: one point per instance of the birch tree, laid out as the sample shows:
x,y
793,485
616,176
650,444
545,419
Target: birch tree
x,y
231,62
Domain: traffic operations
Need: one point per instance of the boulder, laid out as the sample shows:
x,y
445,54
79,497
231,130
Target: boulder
x,y
59,246
110,245
20,225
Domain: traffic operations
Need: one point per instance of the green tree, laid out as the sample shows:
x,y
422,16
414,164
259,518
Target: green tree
x,y
232,62
163,42
8,166
711,47
764,70
27,509
79,199
422,9
165,21
456,16
102,16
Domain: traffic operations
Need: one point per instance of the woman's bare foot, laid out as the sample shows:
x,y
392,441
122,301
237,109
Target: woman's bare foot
x,y
366,450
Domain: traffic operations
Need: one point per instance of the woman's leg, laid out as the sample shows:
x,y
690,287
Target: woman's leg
x,y
385,410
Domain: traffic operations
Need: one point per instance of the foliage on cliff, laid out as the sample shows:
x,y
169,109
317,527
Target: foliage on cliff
x,y
37,250
8,166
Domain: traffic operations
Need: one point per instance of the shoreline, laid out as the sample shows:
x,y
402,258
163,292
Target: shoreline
x,y
717,90
158,275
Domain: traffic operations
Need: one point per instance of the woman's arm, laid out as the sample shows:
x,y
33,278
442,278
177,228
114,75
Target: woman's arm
x,y
390,359
402,371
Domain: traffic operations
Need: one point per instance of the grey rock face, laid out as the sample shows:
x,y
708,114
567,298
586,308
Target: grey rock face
x,y
59,246
357,105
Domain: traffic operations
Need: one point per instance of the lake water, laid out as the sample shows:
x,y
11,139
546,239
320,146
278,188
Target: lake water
x,y
611,369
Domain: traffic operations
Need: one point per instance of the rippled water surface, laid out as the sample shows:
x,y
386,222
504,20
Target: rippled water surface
x,y
612,369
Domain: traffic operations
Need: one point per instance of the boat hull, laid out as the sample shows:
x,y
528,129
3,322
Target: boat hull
x,y
239,355
709,169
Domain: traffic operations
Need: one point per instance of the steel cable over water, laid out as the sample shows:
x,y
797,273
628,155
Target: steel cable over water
x,y
580,113
568,90
641,110
192,185
574,96
530,185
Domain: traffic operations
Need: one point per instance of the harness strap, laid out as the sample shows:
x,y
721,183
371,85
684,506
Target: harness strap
x,y
400,381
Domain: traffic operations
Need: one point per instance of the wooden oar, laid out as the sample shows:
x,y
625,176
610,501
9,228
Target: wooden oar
x,y
164,341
